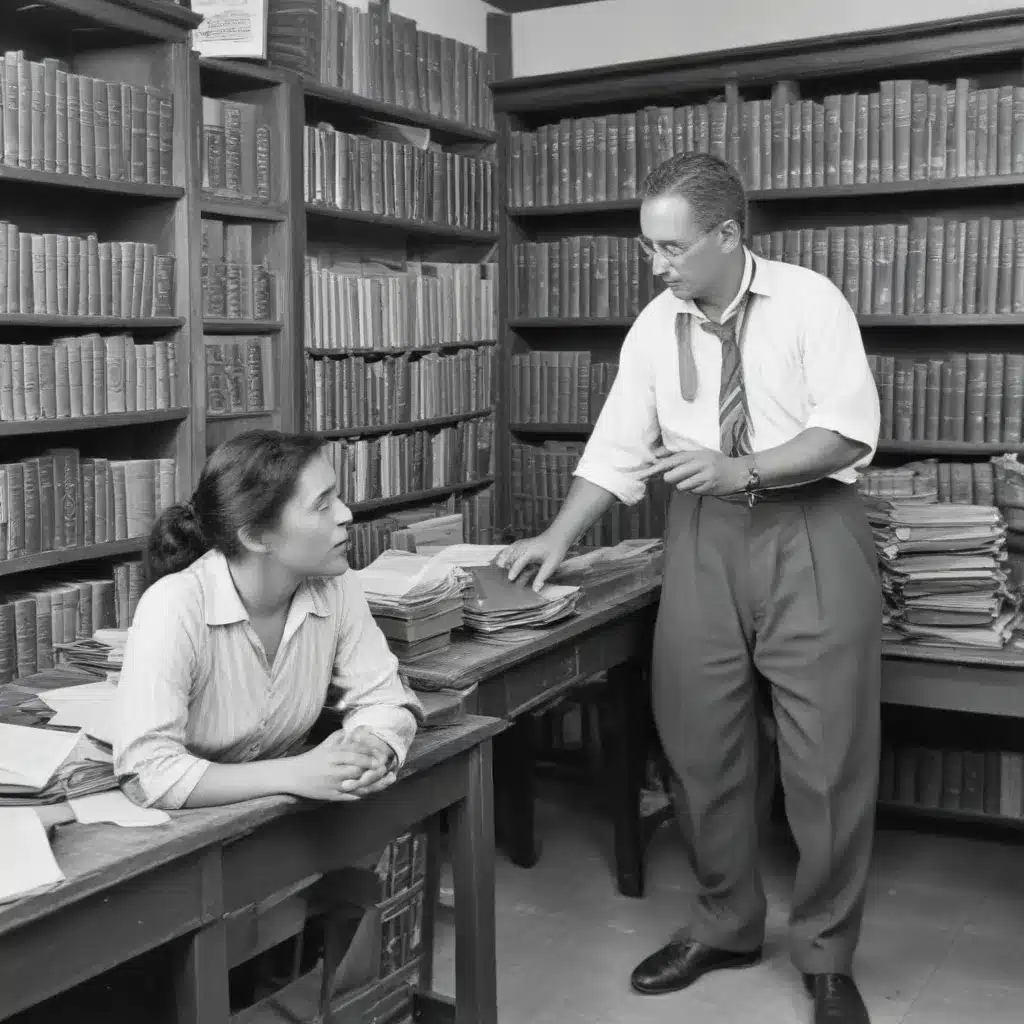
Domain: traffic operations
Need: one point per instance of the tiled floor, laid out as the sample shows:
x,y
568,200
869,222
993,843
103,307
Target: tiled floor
x,y
943,939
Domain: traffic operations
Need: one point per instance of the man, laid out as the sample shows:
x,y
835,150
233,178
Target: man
x,y
746,386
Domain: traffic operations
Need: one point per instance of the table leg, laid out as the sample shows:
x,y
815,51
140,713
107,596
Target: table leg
x,y
514,796
201,988
201,982
627,708
472,840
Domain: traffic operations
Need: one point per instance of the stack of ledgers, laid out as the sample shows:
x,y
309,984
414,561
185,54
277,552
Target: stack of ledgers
x,y
943,572
415,601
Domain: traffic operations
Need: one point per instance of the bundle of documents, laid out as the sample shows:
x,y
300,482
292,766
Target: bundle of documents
x,y
44,766
102,654
495,603
609,570
416,601
943,572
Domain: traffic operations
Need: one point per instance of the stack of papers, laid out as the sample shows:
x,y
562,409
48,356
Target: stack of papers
x,y
415,601
102,654
943,572
608,570
44,766
26,861
495,603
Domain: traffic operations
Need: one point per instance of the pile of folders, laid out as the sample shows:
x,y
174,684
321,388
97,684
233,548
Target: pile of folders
x,y
943,571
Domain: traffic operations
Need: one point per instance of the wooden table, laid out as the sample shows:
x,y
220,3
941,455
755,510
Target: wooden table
x,y
611,635
132,890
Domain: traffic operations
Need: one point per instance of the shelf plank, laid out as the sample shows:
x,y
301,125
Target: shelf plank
x,y
23,175
402,350
213,417
567,322
949,814
72,424
404,428
153,323
417,497
247,71
880,320
449,130
234,325
551,429
879,188
48,559
948,447
942,320
242,209
411,227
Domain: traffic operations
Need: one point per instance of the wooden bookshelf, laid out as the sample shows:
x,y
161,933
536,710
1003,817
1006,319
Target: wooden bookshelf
x,y
73,424
270,225
70,556
417,497
405,350
404,428
986,49
419,228
95,188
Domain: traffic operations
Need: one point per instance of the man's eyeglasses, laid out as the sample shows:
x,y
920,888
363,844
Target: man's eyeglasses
x,y
673,252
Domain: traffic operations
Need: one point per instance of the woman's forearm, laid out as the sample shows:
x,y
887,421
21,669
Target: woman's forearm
x,y
230,783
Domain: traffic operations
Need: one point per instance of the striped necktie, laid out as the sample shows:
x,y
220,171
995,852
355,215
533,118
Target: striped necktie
x,y
733,416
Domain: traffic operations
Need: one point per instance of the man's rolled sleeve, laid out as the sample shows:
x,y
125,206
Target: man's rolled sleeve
x,y
842,392
621,443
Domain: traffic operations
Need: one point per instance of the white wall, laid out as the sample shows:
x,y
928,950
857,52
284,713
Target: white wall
x,y
620,31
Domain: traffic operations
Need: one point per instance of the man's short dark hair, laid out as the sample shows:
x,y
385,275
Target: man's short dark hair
x,y
711,186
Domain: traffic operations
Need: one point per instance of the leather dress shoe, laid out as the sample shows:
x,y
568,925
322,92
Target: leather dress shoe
x,y
836,999
682,962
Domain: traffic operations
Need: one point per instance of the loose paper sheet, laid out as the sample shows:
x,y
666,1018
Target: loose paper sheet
x,y
29,757
26,860
114,806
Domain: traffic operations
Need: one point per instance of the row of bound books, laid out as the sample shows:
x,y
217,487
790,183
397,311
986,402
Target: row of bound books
x,y
425,184
64,275
401,936
351,307
239,375
383,56
369,538
581,276
358,392
906,130
559,387
237,151
88,375
59,500
982,781
33,622
52,119
961,396
395,464
959,483
541,476
237,282
929,265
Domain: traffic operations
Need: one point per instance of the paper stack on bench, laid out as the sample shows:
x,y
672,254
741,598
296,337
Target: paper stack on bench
x,y
943,572
46,766
415,601
102,654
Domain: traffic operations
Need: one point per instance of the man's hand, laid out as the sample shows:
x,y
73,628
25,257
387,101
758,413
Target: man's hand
x,y
545,550
701,471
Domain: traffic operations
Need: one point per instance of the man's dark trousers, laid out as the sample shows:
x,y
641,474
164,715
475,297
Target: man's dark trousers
x,y
789,586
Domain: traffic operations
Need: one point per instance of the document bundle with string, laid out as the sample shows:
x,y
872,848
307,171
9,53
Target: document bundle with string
x,y
943,572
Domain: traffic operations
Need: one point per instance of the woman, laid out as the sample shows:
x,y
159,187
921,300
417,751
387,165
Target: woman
x,y
250,619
